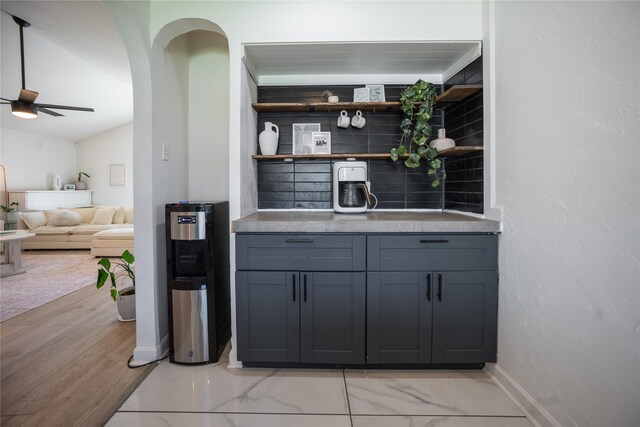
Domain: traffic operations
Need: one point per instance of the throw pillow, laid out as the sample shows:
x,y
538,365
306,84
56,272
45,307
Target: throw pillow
x,y
49,213
34,219
87,214
118,217
64,217
103,216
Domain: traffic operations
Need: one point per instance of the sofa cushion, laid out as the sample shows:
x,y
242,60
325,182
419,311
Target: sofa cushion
x,y
50,229
128,214
87,214
34,219
115,234
118,216
103,216
92,228
64,217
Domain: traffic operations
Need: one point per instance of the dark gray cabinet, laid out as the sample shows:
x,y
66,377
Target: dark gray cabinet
x,y
268,316
303,316
448,315
308,317
465,316
413,299
399,317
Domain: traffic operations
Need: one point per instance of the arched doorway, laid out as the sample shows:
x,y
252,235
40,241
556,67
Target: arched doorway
x,y
180,82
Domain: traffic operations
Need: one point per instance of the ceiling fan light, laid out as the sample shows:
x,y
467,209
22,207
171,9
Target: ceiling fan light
x,y
24,110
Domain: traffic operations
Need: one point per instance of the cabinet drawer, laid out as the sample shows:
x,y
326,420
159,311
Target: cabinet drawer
x,y
311,252
410,252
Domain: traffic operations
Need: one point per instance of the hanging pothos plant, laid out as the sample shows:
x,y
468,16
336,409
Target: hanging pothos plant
x,y
417,104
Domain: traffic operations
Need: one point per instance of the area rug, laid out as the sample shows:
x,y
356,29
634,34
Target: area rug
x,y
49,275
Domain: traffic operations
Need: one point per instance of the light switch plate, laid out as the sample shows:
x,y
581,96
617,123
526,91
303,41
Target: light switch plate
x,y
165,152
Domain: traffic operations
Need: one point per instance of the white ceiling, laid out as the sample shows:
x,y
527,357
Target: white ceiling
x,y
381,62
74,56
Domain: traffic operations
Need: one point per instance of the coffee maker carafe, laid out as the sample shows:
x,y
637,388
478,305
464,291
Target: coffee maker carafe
x,y
350,191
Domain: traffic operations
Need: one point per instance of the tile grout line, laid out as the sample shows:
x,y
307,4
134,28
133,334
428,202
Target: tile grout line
x,y
346,391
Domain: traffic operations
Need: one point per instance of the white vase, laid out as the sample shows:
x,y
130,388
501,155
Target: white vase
x,y
442,143
57,183
269,139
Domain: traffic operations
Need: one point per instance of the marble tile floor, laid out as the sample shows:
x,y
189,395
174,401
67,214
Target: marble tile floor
x,y
216,396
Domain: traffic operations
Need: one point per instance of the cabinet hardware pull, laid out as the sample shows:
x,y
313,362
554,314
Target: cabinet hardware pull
x,y
305,288
299,241
294,286
439,287
428,287
434,241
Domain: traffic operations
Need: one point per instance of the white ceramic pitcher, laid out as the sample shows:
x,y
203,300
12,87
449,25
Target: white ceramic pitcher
x,y
269,139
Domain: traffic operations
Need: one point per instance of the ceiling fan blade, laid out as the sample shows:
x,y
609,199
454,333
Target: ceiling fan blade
x,y
65,107
49,112
28,96
5,99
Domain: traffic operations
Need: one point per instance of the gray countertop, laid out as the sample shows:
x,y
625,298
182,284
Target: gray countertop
x,y
371,222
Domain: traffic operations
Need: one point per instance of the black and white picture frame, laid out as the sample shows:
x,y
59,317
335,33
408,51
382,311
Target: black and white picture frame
x,y
361,94
321,142
376,93
302,137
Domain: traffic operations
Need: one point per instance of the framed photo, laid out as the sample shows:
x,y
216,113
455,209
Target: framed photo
x,y
376,93
321,142
361,94
302,137
116,175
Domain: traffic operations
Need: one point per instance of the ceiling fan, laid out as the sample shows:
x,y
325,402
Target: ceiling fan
x,y
25,106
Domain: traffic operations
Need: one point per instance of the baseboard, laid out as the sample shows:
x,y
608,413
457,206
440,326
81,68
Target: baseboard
x,y
144,355
534,411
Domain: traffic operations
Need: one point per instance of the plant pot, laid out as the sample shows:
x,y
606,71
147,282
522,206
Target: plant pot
x,y
13,216
127,304
80,185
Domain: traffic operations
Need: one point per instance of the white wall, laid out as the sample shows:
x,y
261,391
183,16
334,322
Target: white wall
x,y
208,116
145,25
97,153
31,160
567,155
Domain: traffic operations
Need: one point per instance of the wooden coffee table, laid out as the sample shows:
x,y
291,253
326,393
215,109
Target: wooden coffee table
x,y
13,251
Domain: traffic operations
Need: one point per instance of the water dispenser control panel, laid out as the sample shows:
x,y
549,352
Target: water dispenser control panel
x,y
188,226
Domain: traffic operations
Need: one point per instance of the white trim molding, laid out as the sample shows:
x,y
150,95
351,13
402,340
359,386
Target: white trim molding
x,y
534,411
491,209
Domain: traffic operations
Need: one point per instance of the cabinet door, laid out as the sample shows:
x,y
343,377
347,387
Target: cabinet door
x,y
399,308
465,314
268,316
333,317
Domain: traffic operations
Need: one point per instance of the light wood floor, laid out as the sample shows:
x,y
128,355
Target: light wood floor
x,y
65,363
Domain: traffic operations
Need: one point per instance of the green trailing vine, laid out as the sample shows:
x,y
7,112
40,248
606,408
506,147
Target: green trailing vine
x,y
417,104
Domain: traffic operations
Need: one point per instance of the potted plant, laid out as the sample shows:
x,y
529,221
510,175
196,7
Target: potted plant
x,y
80,184
120,273
12,213
417,104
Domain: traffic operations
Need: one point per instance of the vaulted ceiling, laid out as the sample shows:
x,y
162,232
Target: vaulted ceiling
x,y
73,56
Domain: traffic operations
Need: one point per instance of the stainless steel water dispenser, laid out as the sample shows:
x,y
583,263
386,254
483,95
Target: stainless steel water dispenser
x,y
198,281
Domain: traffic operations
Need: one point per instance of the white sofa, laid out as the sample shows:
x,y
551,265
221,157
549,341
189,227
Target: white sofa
x,y
74,236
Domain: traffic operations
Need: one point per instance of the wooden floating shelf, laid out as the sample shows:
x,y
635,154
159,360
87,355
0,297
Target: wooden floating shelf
x,y
453,94
286,107
455,151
